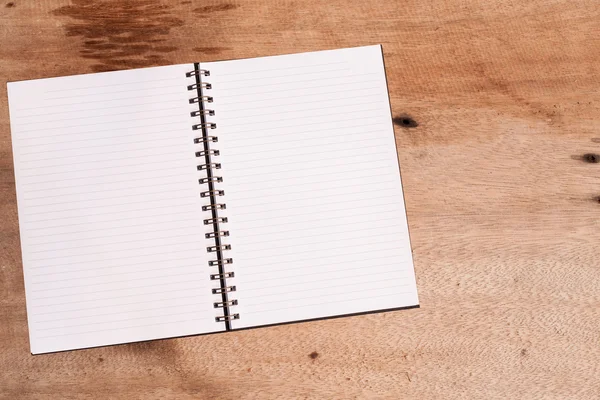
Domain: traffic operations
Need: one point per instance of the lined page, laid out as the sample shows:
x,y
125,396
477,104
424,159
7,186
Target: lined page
x,y
314,198
109,209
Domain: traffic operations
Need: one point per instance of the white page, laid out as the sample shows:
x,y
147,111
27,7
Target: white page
x,y
109,209
312,186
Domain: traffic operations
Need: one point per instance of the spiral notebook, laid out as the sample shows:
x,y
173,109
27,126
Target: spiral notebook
x,y
209,197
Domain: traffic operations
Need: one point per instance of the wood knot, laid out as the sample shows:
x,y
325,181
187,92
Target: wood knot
x,y
100,359
405,121
592,158
313,355
10,5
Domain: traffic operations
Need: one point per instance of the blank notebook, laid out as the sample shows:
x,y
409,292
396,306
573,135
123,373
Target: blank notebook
x,y
208,197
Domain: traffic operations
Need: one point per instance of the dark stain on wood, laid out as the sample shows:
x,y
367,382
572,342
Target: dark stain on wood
x,y
100,359
162,353
523,352
592,158
119,34
10,4
313,355
216,8
210,50
405,121
596,199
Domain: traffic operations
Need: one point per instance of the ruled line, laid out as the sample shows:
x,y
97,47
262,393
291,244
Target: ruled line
x,y
320,303
117,329
112,92
114,321
319,72
275,249
361,184
289,126
178,115
329,151
87,162
87,178
154,95
121,297
390,245
303,117
96,116
253,72
103,153
114,266
245,87
313,142
321,258
259,261
103,130
303,201
109,198
120,312
154,178
252,189
337,106
323,165
104,244
320,204
321,234
257,140
108,213
92,109
142,271
44,145
244,282
363,282
302,88
120,204
386,246
108,259
309,100
263,175
108,191
109,228
72,240
115,84
115,290
195,296
306,221
80,285
366,180
237,220
262,100
97,176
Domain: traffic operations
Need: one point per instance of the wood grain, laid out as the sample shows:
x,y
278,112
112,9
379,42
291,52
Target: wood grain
x,y
498,114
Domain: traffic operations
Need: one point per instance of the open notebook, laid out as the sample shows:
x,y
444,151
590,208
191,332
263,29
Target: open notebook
x,y
208,197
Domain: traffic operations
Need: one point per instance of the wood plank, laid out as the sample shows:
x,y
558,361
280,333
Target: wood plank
x,y
497,104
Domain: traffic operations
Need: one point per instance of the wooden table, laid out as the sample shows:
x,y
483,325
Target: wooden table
x,y
498,106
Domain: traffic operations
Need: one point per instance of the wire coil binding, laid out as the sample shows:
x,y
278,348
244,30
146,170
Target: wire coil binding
x,y
210,181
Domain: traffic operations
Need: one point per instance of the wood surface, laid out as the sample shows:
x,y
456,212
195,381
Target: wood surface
x,y
497,105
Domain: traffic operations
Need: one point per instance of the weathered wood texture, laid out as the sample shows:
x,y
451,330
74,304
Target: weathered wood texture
x,y
503,102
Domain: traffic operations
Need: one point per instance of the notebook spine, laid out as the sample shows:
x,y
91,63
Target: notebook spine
x,y
212,193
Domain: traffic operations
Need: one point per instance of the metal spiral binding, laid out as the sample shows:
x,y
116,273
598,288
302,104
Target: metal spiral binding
x,y
217,234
